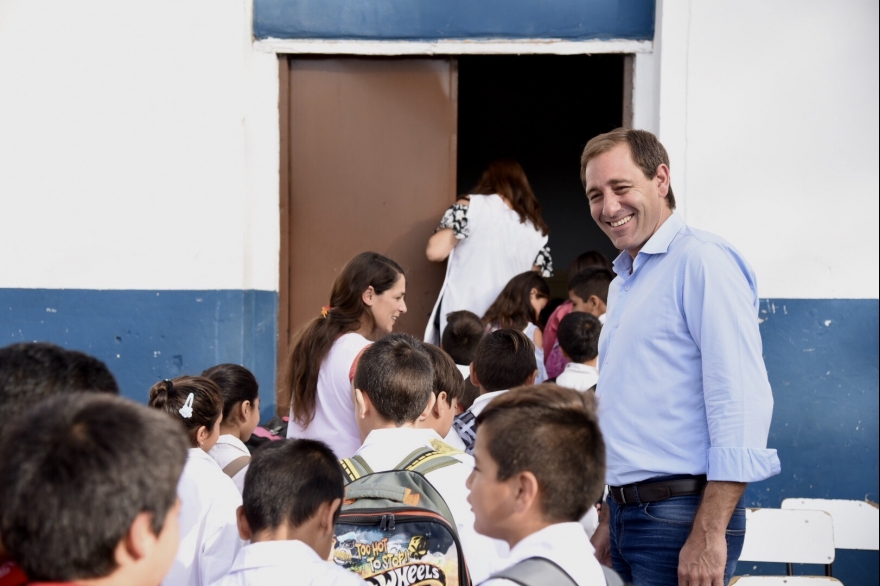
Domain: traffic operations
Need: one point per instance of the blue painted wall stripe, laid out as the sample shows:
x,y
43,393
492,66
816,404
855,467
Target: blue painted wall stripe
x,y
454,19
146,336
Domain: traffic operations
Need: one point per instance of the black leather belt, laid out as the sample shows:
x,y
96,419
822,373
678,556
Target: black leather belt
x,y
660,490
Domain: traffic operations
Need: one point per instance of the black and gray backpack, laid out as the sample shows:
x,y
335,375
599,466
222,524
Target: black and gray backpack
x,y
395,528
538,571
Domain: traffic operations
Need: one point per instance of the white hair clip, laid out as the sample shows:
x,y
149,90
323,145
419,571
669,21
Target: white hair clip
x,y
187,410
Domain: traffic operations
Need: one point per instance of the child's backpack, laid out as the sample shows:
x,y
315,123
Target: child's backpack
x,y
538,571
395,529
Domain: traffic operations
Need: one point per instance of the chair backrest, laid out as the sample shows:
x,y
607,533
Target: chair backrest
x,y
788,536
856,523
784,581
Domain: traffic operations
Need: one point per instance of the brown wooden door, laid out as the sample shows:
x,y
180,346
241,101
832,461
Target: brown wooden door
x,y
370,149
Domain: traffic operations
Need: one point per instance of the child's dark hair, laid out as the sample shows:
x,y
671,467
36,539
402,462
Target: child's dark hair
x,y
505,359
207,407
553,433
237,385
578,336
32,371
91,463
588,260
287,481
446,375
513,307
462,335
397,375
590,282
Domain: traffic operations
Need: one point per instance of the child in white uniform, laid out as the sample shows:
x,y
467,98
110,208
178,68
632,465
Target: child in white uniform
x,y
540,462
579,340
208,531
241,415
111,516
448,387
393,395
292,496
504,359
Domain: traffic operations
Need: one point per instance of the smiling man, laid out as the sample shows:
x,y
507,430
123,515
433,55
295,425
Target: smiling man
x,y
684,400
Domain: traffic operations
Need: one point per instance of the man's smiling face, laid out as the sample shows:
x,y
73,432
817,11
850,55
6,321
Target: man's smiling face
x,y
627,205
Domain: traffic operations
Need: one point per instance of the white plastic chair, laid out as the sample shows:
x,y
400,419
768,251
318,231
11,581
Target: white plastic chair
x,y
784,581
856,523
789,536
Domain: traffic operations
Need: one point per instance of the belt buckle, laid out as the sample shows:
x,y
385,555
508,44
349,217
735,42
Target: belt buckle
x,y
623,494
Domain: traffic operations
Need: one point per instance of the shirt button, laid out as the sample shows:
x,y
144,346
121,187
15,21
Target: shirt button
x,y
627,287
617,325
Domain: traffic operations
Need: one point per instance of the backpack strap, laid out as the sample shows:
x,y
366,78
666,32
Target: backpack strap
x,y
236,465
535,571
354,468
425,460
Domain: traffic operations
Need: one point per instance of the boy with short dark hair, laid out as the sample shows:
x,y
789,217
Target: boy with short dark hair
x,y
461,337
293,492
504,359
587,293
540,461
579,342
93,497
393,396
448,389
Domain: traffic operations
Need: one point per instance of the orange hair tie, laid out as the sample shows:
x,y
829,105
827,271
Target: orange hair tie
x,y
325,310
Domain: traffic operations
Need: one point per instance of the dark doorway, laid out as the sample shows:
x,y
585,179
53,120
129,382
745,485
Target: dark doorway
x,y
541,110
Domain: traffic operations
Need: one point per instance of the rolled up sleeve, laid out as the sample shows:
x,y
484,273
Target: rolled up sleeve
x,y
721,310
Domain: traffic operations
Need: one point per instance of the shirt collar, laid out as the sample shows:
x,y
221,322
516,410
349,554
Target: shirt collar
x,y
200,454
548,538
656,244
484,399
401,436
576,367
233,441
272,553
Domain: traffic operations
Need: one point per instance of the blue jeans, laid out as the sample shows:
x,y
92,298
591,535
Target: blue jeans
x,y
647,538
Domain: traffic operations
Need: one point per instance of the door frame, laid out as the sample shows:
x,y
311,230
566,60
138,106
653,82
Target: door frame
x,y
289,48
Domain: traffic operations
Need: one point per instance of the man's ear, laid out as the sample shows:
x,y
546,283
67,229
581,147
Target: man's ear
x,y
426,412
526,491
531,379
474,380
362,404
440,404
662,180
369,296
244,528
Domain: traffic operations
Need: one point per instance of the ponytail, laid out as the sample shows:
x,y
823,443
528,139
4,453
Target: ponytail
x,y
172,397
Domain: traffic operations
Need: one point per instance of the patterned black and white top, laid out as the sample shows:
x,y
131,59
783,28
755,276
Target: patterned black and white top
x,y
456,219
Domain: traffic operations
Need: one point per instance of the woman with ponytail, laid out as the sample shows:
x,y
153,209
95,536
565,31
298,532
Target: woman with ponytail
x,y
209,536
365,302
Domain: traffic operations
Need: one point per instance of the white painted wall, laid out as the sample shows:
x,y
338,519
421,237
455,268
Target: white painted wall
x,y
769,111
138,146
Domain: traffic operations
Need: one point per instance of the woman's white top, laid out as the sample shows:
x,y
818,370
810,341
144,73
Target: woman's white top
x,y
228,449
334,422
209,538
497,248
529,331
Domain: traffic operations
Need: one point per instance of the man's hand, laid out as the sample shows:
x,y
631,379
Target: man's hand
x,y
601,539
703,558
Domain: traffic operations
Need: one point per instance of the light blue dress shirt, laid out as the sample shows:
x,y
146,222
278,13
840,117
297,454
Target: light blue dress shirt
x,y
682,386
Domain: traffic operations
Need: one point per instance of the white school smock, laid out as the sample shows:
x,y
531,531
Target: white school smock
x,y
579,377
209,536
273,563
498,248
334,422
228,449
384,449
529,331
565,544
